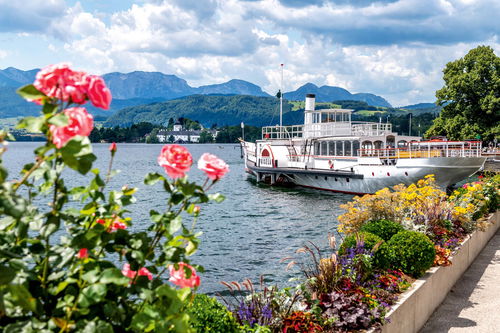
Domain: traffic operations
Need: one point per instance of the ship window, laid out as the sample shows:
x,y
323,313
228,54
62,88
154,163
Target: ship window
x,y
324,148
355,148
331,148
316,148
316,118
338,150
324,117
347,148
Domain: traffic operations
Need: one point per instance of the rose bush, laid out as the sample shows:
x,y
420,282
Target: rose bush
x,y
76,264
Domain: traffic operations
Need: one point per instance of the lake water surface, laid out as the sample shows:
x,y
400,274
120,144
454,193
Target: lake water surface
x,y
243,237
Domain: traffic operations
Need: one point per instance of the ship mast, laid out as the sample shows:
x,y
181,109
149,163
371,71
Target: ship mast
x,y
281,102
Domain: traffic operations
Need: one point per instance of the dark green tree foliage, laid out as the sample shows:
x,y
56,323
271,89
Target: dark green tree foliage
x,y
223,110
134,133
471,97
355,105
230,134
206,137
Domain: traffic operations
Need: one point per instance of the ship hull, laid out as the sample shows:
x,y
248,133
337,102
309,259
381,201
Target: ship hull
x,y
363,179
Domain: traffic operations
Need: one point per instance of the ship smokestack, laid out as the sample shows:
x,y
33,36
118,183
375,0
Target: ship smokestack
x,y
310,101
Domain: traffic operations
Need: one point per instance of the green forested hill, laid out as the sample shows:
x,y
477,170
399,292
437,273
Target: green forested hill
x,y
208,110
252,110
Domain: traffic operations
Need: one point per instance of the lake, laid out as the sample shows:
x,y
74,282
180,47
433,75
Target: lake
x,y
243,237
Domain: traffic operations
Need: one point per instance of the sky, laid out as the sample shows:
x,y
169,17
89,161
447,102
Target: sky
x,y
393,48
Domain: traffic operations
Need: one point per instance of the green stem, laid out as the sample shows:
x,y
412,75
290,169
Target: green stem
x,y
108,174
27,174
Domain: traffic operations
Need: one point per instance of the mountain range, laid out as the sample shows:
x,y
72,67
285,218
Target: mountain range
x,y
138,88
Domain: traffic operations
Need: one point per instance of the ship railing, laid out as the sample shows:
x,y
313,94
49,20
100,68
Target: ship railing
x,y
266,162
427,149
318,130
282,132
370,129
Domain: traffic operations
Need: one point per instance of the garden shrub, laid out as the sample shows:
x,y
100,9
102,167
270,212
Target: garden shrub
x,y
410,251
385,229
208,315
369,239
384,256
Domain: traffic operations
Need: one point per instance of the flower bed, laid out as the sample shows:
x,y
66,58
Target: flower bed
x,y
393,239
418,303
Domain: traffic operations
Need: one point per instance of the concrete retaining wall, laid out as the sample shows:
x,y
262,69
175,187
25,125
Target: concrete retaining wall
x,y
416,305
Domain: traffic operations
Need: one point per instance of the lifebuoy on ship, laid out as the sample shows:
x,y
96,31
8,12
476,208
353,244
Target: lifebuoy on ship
x,y
330,163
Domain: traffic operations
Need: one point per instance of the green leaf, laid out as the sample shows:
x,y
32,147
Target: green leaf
x,y
142,322
30,92
217,197
98,326
115,276
92,294
188,188
22,297
3,174
6,222
152,178
52,225
49,108
177,198
175,225
31,124
59,120
7,274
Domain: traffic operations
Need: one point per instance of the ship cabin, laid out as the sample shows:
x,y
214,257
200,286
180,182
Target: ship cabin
x,y
331,132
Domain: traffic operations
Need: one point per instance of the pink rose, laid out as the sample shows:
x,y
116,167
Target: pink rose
x,y
98,93
59,81
178,277
80,123
214,167
83,254
176,160
112,147
126,271
118,225
115,225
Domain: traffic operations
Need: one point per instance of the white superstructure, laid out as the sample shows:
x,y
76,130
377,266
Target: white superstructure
x,y
331,152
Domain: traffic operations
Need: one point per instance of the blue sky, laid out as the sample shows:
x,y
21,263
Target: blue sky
x,y
393,48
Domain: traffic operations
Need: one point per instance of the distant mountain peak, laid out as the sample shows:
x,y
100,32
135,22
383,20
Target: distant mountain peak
x,y
331,93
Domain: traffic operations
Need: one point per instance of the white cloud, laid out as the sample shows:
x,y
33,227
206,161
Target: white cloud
x,y
3,54
394,48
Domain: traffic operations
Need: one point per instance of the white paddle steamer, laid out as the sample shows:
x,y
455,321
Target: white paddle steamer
x,y
331,152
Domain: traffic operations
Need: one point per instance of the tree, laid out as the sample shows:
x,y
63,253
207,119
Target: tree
x,y
206,137
470,97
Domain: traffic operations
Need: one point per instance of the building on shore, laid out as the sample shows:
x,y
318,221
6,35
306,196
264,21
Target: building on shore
x,y
180,135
